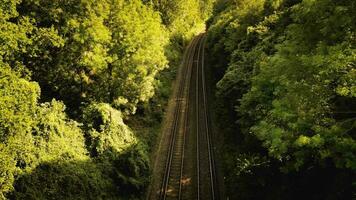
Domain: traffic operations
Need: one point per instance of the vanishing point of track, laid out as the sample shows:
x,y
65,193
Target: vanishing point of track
x,y
205,182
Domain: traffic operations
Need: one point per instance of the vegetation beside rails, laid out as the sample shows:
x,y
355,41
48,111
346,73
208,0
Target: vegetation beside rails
x,y
286,101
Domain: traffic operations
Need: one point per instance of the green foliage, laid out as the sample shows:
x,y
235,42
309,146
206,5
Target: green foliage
x,y
294,86
17,103
106,51
131,170
53,129
80,179
103,59
18,107
106,130
32,133
139,54
51,147
287,68
119,152
7,169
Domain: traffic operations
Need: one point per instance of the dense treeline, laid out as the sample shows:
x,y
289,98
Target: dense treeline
x,y
287,76
71,73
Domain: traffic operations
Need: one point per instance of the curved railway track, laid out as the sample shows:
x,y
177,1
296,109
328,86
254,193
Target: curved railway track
x,y
203,180
207,182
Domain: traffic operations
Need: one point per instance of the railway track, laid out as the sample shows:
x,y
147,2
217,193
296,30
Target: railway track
x,y
203,179
171,187
206,173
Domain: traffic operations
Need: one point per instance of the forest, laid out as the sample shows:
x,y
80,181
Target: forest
x,y
286,75
84,86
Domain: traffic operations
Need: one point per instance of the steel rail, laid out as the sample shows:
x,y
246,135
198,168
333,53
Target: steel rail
x,y
197,123
185,125
188,57
202,114
208,135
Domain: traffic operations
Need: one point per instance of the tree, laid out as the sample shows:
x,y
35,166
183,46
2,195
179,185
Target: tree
x,y
286,70
31,133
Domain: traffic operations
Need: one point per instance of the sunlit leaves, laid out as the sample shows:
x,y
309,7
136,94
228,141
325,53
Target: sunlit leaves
x,y
106,130
32,133
139,52
17,103
80,52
